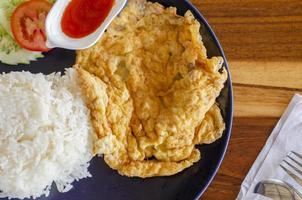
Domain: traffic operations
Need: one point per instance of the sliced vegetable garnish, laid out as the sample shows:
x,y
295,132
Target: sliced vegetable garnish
x,y
28,24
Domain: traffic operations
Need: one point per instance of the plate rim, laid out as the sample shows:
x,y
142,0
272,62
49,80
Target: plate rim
x,y
229,114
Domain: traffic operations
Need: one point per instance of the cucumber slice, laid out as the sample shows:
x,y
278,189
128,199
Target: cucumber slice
x,y
11,53
4,22
7,8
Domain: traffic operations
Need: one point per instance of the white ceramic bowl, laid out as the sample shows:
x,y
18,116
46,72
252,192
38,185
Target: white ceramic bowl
x,y
57,38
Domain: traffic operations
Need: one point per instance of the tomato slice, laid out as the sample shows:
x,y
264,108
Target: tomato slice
x,y
28,24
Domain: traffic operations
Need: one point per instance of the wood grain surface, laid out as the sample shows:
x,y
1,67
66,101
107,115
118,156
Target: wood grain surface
x,y
262,40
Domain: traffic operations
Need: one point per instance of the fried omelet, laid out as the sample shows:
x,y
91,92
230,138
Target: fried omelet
x,y
151,90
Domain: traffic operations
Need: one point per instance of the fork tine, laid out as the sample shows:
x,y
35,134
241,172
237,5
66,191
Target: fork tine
x,y
294,160
294,176
297,154
295,168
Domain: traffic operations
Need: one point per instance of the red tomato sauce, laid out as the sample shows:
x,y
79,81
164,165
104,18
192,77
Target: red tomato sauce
x,y
83,17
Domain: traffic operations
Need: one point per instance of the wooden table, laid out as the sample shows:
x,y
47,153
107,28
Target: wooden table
x,y
262,40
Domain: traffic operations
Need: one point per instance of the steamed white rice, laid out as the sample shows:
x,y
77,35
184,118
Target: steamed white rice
x,y
44,133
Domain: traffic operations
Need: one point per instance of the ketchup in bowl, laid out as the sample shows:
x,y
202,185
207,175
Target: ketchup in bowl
x,y
83,17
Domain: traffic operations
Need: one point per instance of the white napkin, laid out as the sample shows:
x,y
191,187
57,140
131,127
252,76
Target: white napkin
x,y
286,137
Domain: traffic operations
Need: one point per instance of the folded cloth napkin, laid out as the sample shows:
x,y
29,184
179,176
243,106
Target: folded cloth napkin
x,y
286,137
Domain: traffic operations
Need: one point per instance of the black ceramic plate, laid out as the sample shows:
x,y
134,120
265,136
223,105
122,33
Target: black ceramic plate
x,y
107,184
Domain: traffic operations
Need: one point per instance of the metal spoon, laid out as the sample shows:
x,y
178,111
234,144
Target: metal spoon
x,y
277,190
57,38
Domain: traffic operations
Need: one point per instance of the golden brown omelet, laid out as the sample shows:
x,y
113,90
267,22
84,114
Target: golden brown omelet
x,y
151,90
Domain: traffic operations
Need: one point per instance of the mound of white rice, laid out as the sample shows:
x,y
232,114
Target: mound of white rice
x,y
44,133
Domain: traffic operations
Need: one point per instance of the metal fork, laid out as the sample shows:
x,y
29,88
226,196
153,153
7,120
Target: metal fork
x,y
281,190
289,168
